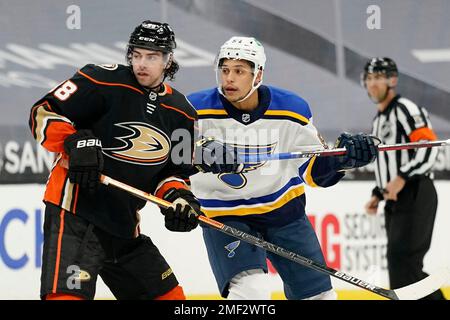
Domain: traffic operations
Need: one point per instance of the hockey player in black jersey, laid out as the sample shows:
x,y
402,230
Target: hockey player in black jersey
x,y
403,177
117,120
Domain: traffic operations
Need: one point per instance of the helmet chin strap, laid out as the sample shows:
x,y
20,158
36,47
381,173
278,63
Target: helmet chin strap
x,y
254,87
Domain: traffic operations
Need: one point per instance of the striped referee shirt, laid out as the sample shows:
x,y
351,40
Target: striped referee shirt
x,y
403,121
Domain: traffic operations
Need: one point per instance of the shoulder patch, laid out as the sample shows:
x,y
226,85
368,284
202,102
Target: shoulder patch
x,y
418,121
110,67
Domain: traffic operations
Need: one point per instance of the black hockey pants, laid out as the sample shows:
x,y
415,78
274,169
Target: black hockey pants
x,y
409,227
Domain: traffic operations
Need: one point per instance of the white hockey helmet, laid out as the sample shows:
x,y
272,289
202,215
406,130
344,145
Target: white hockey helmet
x,y
242,48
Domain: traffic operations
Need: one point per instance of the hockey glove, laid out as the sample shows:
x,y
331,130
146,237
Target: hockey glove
x,y
214,156
182,215
85,159
361,150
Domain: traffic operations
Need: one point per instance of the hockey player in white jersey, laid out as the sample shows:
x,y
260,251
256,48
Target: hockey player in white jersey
x,y
265,199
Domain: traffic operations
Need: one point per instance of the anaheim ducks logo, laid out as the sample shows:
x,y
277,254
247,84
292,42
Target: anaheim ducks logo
x,y
145,145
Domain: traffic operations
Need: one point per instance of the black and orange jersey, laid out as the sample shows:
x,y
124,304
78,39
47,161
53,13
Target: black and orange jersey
x,y
138,130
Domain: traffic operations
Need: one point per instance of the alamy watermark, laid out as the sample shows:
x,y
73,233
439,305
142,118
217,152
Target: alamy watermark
x,y
73,21
373,21
73,281
240,143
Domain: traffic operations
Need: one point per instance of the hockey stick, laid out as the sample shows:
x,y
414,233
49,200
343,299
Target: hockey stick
x,y
412,292
341,151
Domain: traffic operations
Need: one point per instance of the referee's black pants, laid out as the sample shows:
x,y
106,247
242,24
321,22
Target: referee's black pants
x,y
409,227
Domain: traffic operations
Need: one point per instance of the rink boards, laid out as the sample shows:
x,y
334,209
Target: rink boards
x,y
351,241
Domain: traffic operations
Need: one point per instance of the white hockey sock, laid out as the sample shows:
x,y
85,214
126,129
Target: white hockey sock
x,y
249,285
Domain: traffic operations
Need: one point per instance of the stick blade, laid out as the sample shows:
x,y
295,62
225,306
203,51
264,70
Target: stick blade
x,y
425,286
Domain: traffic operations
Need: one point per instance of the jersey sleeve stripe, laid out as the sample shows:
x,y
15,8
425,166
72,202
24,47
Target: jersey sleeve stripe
x,y
32,120
426,166
69,193
411,107
423,167
50,129
208,112
421,163
110,83
60,191
37,113
426,117
307,176
289,114
405,119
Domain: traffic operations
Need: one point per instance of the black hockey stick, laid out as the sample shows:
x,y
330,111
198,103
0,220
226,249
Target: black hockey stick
x,y
414,291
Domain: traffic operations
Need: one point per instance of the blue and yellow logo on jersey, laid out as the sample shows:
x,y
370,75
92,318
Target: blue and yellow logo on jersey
x,y
238,180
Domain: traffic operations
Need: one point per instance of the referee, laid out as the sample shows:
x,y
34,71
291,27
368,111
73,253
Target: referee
x,y
403,177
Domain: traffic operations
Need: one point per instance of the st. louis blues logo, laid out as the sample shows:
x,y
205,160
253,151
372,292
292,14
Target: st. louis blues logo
x,y
231,247
238,180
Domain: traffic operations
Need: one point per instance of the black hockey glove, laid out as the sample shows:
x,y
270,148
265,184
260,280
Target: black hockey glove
x,y
182,215
214,156
361,150
85,159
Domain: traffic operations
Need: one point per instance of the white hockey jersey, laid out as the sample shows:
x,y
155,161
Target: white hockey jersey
x,y
266,192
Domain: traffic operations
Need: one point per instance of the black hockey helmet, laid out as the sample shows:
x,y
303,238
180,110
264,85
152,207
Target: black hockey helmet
x,y
384,65
153,35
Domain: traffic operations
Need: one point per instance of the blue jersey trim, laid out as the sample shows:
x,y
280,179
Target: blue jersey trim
x,y
215,203
280,100
286,100
291,211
